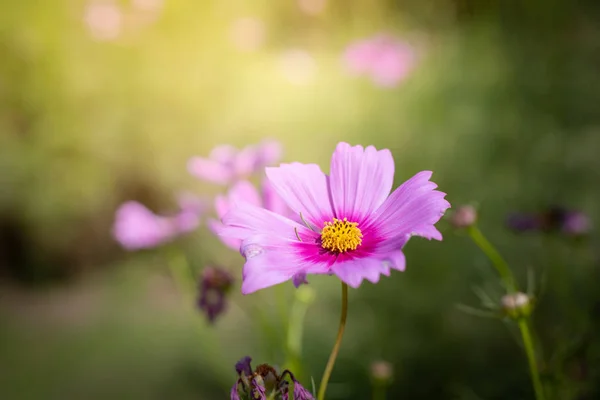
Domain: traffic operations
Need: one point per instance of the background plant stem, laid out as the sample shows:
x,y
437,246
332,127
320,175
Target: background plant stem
x,y
530,351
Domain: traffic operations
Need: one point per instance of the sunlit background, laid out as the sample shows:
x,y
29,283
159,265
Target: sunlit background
x,y
106,101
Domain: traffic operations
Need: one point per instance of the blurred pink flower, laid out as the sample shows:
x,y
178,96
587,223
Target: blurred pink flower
x,y
104,19
385,59
226,164
149,5
136,227
248,34
312,7
245,192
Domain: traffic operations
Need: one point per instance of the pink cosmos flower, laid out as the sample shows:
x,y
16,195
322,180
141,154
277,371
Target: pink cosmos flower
x,y
383,58
353,229
136,227
246,192
226,164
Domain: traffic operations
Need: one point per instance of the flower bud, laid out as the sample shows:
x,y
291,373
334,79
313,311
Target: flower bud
x,y
464,216
213,288
576,223
382,372
517,305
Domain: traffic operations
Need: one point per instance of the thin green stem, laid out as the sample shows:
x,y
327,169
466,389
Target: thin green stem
x,y
530,351
303,297
378,392
281,301
180,271
490,251
336,346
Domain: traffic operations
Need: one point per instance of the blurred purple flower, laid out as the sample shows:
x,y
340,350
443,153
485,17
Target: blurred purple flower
x,y
576,223
243,367
258,389
522,222
136,227
255,384
226,164
554,219
300,393
383,58
234,395
214,286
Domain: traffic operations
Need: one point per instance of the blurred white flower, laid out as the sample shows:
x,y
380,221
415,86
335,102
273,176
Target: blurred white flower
x,y
298,66
248,34
104,20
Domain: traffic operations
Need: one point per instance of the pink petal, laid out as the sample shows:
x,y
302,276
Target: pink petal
x,y
247,220
269,152
268,263
216,227
222,205
136,227
412,209
244,192
305,190
360,180
223,154
245,161
209,170
240,192
352,272
395,260
272,201
190,202
186,221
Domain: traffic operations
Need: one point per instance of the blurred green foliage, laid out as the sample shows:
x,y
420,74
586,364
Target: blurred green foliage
x,y
503,107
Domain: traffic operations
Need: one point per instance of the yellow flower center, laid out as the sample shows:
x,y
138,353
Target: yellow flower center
x,y
341,236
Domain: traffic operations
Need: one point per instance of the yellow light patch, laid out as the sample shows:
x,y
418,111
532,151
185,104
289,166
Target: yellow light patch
x,y
341,236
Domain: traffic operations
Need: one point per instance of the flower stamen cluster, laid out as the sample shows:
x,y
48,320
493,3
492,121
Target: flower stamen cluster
x,y
341,236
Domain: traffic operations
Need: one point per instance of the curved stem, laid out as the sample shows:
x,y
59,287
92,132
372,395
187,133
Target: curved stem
x,y
336,346
529,350
490,251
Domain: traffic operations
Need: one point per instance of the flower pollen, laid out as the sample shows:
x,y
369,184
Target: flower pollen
x,y
341,236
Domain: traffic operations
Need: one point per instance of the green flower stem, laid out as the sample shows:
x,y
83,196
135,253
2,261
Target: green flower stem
x,y
378,392
303,297
495,257
336,346
281,301
530,351
181,273
502,267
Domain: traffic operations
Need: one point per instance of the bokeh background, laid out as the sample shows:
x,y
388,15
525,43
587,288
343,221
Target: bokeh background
x,y
105,101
